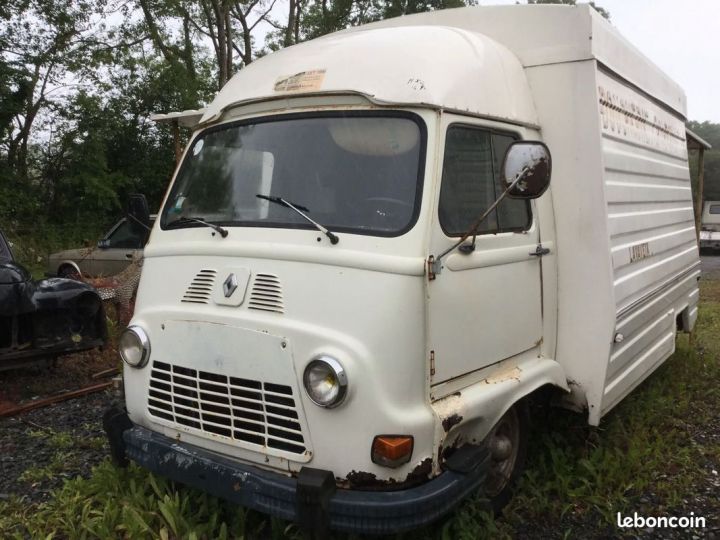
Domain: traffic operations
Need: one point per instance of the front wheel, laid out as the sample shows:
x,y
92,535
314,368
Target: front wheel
x,y
508,450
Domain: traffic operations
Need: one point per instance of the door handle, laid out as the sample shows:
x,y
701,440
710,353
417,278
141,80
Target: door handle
x,y
128,255
540,251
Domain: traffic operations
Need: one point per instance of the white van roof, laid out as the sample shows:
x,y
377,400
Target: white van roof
x,y
437,66
456,58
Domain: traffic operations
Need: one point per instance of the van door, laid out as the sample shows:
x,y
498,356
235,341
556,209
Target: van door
x,y
484,306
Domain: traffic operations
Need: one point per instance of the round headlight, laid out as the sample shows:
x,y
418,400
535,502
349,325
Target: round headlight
x,y
134,346
325,381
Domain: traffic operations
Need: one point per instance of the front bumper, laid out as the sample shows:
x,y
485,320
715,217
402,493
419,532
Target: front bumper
x,y
375,512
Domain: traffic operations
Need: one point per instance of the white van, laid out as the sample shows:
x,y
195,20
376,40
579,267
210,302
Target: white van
x,y
327,332
710,225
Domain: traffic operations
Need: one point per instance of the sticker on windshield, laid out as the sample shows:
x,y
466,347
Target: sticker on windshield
x,y
198,147
304,81
179,203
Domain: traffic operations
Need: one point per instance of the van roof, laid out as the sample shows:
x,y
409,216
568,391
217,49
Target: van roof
x,y
454,58
435,66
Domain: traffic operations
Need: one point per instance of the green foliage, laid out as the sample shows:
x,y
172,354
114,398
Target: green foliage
x,y
71,153
602,11
710,132
132,503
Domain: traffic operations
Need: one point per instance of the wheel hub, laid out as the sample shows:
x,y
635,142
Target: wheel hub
x,y
501,448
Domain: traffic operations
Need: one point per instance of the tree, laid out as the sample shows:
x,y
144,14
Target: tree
x,y
309,19
39,43
178,27
710,132
602,11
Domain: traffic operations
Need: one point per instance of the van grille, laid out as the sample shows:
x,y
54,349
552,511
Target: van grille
x,y
251,412
200,288
266,294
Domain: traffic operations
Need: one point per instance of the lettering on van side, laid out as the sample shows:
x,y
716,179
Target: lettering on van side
x,y
639,252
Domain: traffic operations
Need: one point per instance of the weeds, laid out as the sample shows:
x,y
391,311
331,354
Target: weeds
x,y
128,503
57,465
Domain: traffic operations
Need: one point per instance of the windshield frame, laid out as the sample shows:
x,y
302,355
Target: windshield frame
x,y
364,113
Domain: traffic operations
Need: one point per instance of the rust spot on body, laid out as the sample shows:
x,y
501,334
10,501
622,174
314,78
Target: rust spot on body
x,y
360,479
513,373
451,421
420,473
365,481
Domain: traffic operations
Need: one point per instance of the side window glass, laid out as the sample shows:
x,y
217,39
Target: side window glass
x,y
471,182
123,238
513,214
468,186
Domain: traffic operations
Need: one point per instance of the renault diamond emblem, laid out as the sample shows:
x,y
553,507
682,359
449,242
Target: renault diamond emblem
x,y
230,285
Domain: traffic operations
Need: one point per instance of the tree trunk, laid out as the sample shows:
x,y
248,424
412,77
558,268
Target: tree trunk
x,y
291,23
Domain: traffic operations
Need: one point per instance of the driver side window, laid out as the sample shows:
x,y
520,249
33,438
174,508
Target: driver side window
x,y
471,182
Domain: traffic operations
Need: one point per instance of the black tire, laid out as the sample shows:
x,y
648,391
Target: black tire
x,y
507,441
69,272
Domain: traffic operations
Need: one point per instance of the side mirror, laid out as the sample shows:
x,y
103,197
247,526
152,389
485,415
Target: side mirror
x,y
138,215
527,164
103,244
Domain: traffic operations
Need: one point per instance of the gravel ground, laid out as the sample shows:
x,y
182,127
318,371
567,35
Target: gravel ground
x,y
710,261
42,448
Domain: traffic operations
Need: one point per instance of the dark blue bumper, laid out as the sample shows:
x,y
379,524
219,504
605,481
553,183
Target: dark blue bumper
x,y
374,512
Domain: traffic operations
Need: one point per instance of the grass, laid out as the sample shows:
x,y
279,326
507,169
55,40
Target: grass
x,y
644,457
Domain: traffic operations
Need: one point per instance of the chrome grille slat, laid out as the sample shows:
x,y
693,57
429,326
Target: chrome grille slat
x,y
283,428
278,417
279,439
254,414
200,288
283,408
266,294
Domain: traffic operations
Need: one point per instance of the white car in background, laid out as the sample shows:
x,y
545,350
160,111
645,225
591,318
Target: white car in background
x,y
710,226
111,256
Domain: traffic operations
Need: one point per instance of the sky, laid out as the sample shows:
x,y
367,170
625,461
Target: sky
x,y
681,36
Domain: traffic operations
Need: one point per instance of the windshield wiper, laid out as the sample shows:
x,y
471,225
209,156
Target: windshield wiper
x,y
179,221
299,209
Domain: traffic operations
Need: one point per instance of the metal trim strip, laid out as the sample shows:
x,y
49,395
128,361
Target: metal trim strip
x,y
621,313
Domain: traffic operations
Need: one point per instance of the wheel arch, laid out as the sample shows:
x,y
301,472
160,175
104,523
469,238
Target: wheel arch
x,y
467,416
68,263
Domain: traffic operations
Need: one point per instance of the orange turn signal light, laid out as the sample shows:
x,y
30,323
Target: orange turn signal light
x,y
392,450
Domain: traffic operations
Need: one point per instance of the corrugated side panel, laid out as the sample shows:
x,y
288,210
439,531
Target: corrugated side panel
x,y
652,232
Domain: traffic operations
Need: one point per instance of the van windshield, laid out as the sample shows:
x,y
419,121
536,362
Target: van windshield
x,y
352,172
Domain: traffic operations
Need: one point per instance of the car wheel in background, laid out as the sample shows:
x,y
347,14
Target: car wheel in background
x,y
68,271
